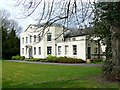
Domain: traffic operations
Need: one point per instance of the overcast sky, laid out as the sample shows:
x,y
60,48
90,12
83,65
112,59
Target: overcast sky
x,y
9,5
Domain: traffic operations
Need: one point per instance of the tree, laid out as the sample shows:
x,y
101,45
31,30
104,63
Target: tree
x,y
10,41
108,15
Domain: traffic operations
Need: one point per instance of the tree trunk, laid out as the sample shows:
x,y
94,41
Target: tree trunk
x,y
115,74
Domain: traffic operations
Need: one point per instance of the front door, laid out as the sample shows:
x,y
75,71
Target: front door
x,y
89,52
30,52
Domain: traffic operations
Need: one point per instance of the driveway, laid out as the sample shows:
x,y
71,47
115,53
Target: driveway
x,y
66,64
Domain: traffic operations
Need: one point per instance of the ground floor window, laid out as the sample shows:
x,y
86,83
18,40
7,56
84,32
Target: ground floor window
x,y
26,50
59,50
49,50
34,50
74,49
22,50
39,50
66,49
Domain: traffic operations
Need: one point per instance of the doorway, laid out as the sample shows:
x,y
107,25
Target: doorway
x,y
89,52
30,52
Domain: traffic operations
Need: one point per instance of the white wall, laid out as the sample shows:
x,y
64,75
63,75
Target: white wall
x,y
80,41
56,31
81,48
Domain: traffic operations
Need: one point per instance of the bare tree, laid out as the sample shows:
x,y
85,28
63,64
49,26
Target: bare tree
x,y
8,23
69,13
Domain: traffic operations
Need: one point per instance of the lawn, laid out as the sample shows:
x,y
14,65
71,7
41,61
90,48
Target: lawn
x,y
24,75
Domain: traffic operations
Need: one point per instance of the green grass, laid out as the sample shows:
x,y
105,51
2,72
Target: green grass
x,y
23,75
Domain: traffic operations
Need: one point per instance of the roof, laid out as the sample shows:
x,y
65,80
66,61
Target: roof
x,y
77,32
43,24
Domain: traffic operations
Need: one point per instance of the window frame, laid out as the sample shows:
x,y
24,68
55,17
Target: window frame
x,y
23,51
59,50
39,50
66,49
49,50
34,50
26,39
35,38
22,40
30,39
49,37
74,49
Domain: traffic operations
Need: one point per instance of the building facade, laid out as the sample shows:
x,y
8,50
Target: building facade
x,y
39,42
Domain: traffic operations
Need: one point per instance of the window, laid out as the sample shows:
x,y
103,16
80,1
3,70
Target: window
x,y
34,38
39,38
74,39
26,50
49,50
22,50
49,36
26,39
66,49
74,49
23,40
59,50
39,50
34,50
95,50
30,39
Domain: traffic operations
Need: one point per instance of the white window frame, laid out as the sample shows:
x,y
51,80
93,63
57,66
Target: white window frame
x,y
66,49
35,38
23,40
39,50
74,49
23,51
49,36
26,39
34,50
30,39
59,50
49,50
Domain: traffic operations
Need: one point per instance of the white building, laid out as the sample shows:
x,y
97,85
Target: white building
x,y
57,41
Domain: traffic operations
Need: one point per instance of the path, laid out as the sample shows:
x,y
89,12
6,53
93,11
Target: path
x,y
66,64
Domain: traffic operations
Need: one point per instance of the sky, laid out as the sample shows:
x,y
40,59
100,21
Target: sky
x,y
15,13
9,5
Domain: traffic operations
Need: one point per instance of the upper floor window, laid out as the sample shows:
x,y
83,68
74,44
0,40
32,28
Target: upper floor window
x,y
49,50
74,49
23,40
59,50
66,49
74,39
26,39
34,38
49,36
39,38
30,39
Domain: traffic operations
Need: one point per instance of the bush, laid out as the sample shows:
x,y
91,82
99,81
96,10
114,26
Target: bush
x,y
63,60
22,58
96,60
34,59
16,57
51,58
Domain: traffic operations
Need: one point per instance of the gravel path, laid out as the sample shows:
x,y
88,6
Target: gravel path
x,y
66,64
